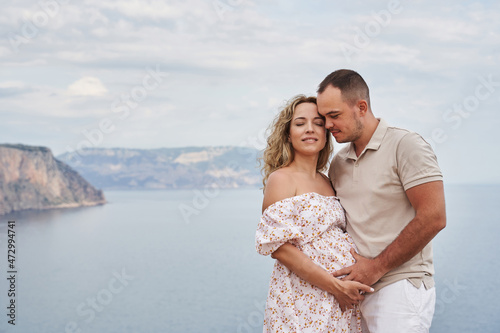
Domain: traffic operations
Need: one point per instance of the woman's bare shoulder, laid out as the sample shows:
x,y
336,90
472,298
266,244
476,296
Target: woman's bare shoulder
x,y
327,183
280,175
280,185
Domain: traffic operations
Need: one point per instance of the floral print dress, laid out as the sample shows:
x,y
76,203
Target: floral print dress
x,y
315,224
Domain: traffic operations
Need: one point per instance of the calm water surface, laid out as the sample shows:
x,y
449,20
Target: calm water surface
x,y
184,261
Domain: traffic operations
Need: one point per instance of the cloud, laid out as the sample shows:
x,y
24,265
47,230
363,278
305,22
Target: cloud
x,y
87,86
229,72
13,89
143,9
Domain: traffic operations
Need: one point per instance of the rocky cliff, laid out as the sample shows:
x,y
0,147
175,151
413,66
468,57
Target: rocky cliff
x,y
31,178
167,168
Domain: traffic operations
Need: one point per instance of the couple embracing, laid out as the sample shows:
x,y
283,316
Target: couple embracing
x,y
353,249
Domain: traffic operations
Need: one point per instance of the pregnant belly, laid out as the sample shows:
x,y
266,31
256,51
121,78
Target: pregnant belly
x,y
330,250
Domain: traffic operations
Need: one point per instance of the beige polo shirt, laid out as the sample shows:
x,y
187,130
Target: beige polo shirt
x,y
371,188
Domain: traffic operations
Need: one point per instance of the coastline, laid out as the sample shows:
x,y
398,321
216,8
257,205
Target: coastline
x,y
61,206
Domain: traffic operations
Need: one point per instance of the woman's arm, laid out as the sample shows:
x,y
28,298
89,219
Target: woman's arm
x,y
347,293
281,185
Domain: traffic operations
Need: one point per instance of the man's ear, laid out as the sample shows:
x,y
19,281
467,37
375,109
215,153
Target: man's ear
x,y
363,107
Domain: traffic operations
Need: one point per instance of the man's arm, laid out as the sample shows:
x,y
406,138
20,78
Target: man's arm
x,y
428,201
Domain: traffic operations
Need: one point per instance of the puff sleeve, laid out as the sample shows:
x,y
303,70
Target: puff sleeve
x,y
296,220
277,226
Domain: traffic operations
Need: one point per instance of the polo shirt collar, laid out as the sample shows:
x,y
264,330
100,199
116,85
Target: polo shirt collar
x,y
374,143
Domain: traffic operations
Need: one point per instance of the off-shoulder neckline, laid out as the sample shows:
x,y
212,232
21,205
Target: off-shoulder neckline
x,y
321,195
296,196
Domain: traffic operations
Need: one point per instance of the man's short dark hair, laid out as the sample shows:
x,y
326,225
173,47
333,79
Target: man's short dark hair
x,y
350,83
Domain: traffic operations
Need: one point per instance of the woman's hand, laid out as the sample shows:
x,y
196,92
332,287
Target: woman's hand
x,y
350,293
347,293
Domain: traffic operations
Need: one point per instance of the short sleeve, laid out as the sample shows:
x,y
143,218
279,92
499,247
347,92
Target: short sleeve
x,y
276,227
417,163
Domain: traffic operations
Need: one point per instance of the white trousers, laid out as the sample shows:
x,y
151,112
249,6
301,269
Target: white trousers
x,y
399,308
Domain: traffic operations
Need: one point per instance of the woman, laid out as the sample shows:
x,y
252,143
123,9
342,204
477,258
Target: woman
x,y
300,209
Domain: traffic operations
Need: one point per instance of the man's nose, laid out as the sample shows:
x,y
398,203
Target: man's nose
x,y
328,124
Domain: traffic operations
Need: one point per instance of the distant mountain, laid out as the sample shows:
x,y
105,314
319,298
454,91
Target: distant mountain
x,y
31,178
167,168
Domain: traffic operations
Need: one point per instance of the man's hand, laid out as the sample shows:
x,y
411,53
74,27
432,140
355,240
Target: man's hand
x,y
430,217
365,270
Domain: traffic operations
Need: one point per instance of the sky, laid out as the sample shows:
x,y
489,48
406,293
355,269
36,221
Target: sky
x,y
150,74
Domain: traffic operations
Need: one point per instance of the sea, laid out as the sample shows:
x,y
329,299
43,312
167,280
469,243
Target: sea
x,y
185,261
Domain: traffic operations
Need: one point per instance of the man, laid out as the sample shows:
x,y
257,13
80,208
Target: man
x,y
390,185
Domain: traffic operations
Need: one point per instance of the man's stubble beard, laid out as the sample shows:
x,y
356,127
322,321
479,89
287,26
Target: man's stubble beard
x,y
356,133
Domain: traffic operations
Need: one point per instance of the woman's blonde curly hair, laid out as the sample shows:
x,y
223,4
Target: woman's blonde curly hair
x,y
279,152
